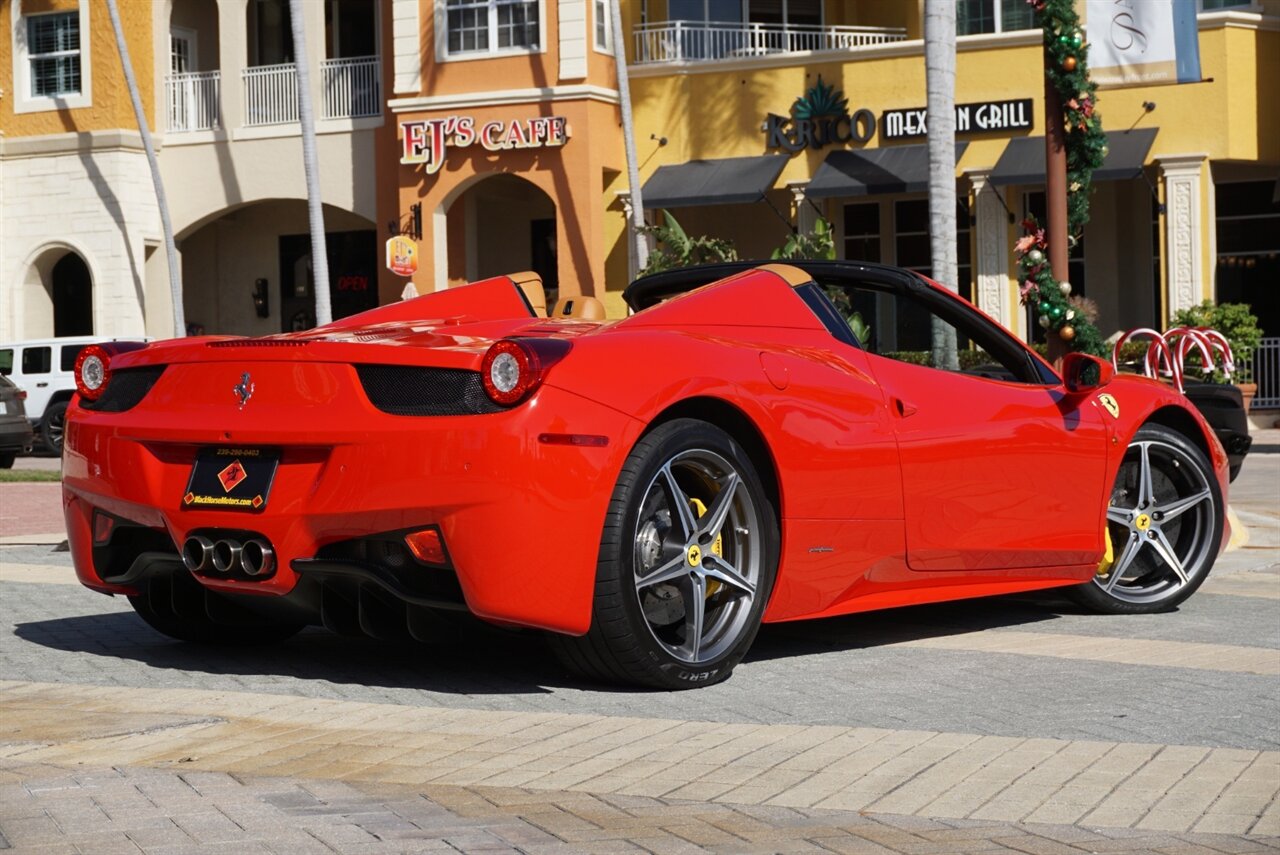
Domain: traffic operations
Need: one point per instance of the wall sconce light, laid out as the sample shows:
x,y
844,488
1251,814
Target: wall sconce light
x,y
261,302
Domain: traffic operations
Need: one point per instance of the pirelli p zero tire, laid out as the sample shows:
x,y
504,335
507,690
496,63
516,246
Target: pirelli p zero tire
x,y
175,606
1165,518
687,561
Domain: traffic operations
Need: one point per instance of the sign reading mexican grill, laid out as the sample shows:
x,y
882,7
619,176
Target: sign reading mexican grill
x,y
970,118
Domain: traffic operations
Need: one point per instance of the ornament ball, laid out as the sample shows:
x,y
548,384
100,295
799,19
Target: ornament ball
x,y
1067,333
1064,287
1069,64
1105,150
1035,256
1077,38
1044,321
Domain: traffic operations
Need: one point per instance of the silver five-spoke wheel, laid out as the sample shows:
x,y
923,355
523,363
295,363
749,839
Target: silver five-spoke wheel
x,y
1164,519
697,563
687,561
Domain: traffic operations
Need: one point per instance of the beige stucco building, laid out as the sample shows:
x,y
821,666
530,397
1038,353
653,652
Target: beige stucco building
x,y
81,250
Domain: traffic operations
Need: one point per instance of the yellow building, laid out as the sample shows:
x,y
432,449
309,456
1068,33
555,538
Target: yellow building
x,y
1183,209
81,250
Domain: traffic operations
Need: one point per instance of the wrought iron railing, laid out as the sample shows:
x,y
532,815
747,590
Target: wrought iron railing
x,y
1263,367
270,94
351,87
193,101
694,41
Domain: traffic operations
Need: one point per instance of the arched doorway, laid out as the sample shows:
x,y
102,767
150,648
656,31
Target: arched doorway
x,y
503,224
57,294
72,288
247,270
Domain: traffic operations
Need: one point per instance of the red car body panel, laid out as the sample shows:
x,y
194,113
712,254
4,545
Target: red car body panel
x,y
896,484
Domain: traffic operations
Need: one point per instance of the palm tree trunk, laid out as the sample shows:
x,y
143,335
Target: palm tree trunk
x,y
311,166
940,77
640,243
166,224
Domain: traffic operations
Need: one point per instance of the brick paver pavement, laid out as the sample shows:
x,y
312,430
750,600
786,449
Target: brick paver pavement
x,y
1003,726
127,809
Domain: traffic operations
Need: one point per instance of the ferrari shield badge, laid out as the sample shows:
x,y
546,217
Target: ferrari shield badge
x,y
1110,405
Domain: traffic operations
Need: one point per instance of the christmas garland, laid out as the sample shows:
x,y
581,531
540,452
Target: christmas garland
x,y
1067,68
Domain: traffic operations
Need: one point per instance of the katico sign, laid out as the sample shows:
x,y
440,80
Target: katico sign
x,y
426,141
821,117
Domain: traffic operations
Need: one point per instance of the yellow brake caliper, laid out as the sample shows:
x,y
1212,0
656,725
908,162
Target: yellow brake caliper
x,y
1108,557
717,548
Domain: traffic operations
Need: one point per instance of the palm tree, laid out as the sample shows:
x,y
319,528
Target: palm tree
x,y
639,240
311,166
940,77
144,128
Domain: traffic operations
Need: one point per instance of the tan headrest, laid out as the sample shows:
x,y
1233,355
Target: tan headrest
x,y
531,284
583,308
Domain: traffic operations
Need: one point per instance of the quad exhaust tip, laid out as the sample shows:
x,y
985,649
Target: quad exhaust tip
x,y
257,558
197,554
254,558
226,555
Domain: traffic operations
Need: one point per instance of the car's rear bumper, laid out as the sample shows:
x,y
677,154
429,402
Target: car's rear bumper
x,y
15,435
520,518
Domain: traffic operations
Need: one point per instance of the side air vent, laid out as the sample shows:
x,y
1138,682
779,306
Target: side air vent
x,y
404,390
126,390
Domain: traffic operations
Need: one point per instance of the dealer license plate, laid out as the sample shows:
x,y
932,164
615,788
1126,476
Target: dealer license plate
x,y
231,479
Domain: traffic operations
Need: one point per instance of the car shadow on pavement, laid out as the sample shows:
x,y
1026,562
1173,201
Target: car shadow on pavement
x,y
908,623
478,660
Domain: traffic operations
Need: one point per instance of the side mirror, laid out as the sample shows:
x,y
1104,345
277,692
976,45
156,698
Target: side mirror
x,y
1084,373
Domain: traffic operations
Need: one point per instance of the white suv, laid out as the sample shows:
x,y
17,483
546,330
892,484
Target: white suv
x,y
44,370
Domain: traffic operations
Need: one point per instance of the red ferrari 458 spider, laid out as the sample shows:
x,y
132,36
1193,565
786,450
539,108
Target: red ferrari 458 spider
x,y
754,443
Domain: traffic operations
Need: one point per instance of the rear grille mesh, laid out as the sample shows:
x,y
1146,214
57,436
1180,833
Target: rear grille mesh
x,y
126,390
404,390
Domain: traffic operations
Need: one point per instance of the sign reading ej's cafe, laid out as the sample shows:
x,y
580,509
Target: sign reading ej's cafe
x,y
426,141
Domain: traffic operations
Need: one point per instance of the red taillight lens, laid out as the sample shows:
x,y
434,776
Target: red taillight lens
x,y
93,371
514,367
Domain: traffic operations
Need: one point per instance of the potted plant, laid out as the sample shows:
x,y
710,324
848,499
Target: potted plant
x,y
1239,325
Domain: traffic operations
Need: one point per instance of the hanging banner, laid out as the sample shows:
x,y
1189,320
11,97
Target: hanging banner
x,y
1142,43
402,256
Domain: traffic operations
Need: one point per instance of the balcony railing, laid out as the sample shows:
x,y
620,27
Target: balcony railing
x,y
270,94
193,100
351,87
696,41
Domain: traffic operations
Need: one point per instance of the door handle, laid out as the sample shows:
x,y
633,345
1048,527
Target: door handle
x,y
902,408
41,385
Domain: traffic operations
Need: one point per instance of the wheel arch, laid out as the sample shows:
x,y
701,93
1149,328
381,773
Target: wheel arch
x,y
1178,419
733,421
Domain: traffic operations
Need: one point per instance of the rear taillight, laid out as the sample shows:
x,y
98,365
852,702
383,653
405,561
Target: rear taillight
x,y
93,372
93,366
515,367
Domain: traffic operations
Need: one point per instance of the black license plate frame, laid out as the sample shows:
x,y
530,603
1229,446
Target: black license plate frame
x,y
231,478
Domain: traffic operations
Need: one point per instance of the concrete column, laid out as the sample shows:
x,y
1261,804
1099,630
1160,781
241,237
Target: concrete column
x,y
1184,221
233,57
991,290
624,196
806,214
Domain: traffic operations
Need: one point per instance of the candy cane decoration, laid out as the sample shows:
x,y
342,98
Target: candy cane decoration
x,y
1166,355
